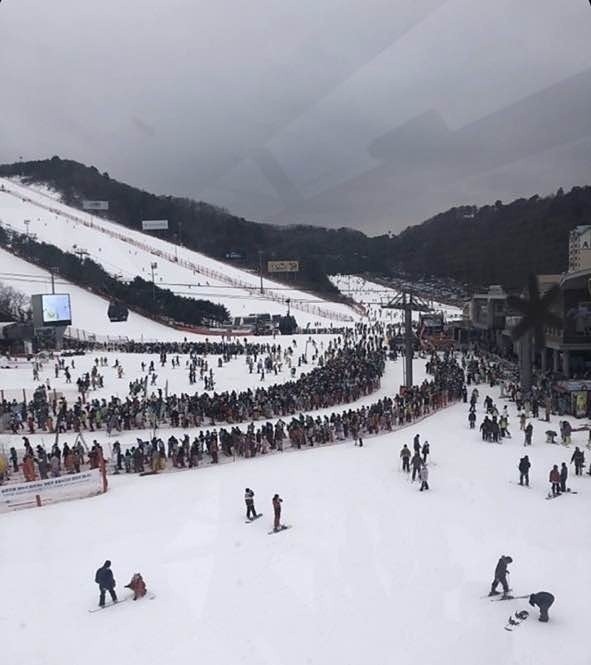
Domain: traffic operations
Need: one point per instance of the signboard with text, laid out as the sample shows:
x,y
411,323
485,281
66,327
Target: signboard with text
x,y
95,205
155,225
283,266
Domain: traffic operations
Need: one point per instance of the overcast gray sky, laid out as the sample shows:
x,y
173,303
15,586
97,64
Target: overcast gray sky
x,y
374,114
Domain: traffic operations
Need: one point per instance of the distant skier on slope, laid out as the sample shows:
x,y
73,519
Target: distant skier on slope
x,y
424,477
251,513
543,600
501,573
524,466
104,578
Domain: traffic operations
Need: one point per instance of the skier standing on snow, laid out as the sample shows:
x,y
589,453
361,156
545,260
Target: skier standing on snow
x,y
277,501
104,578
416,444
251,513
563,477
416,463
555,480
579,460
543,600
501,573
524,466
405,457
472,419
425,451
424,476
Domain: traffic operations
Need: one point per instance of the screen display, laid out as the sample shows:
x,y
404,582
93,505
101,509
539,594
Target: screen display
x,y
56,309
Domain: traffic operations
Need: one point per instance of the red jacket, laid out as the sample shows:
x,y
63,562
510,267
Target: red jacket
x,y
555,476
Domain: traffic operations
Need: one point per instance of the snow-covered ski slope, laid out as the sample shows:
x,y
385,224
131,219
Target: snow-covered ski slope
x,y
89,311
373,296
372,572
128,253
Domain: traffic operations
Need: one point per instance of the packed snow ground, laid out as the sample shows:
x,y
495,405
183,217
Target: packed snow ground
x,y
374,297
89,311
125,252
372,572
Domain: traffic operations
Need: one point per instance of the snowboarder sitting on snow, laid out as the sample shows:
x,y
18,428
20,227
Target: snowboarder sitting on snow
x,y
543,600
251,513
104,578
501,573
137,585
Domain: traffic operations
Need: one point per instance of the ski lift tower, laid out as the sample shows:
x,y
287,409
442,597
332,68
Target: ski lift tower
x,y
408,302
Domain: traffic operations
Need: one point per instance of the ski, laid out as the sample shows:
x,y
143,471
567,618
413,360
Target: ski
x,y
253,519
148,596
283,527
509,597
514,482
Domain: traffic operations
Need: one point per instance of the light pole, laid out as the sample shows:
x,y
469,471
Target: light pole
x,y
261,268
26,223
153,267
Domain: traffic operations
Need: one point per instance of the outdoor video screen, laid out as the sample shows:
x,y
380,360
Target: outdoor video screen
x,y
56,309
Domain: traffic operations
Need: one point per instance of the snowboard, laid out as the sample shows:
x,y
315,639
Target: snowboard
x,y
555,496
283,527
148,596
516,619
254,518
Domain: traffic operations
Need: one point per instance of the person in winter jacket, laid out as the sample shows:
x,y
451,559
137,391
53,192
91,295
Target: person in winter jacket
x,y
579,461
501,573
529,430
104,578
424,477
416,463
405,457
137,585
555,480
543,600
425,451
563,477
277,501
251,513
472,419
524,466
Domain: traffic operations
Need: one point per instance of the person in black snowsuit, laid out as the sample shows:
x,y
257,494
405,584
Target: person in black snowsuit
x,y
405,457
501,573
416,463
416,444
472,419
425,451
104,578
579,461
543,600
251,513
563,477
524,466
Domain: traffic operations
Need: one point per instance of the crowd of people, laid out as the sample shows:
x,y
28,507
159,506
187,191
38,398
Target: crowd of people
x,y
348,372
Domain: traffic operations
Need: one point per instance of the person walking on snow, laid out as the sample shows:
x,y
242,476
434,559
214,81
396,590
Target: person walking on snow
x,y
425,451
251,512
524,466
579,461
277,501
543,600
416,463
501,573
405,457
104,578
424,477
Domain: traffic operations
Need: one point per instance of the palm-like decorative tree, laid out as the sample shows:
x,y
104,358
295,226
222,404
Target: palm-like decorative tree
x,y
535,316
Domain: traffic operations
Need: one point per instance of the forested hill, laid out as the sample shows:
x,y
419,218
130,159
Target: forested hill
x,y
494,244
208,229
